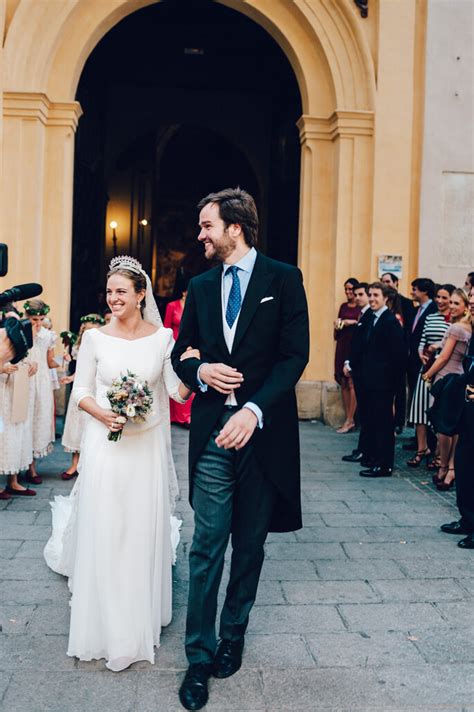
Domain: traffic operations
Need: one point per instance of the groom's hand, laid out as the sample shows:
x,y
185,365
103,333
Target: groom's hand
x,y
224,379
238,430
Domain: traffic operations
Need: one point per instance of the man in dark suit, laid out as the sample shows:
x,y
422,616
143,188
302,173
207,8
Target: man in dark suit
x,y
382,364
352,368
249,320
408,314
464,457
423,290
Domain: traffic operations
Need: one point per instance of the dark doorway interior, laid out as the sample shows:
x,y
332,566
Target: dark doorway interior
x,y
179,99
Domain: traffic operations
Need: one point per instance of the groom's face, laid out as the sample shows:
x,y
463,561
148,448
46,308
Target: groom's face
x,y
219,241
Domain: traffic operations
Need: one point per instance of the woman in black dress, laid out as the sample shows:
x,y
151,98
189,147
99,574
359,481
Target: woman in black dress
x,y
344,326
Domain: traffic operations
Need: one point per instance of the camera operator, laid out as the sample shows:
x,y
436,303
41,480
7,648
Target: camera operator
x,y
7,350
15,334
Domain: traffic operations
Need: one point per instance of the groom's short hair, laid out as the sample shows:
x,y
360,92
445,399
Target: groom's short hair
x,y
236,207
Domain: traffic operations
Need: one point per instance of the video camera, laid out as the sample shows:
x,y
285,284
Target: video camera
x,y
18,330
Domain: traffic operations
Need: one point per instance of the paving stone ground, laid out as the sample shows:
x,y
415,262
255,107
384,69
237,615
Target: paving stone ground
x,y
369,607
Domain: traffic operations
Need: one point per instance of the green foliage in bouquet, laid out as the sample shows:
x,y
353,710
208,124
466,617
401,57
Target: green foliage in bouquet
x,y
131,398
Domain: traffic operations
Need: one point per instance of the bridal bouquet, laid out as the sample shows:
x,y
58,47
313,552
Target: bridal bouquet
x,y
131,399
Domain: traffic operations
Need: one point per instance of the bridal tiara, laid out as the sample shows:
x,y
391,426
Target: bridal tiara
x,y
125,262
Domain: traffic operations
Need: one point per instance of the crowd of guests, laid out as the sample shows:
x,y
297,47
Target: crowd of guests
x,y
409,361
398,361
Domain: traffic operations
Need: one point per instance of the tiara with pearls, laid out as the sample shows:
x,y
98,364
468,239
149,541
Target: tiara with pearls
x,y
125,262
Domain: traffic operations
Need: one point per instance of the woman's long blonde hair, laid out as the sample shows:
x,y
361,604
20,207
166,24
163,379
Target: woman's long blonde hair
x,y
466,318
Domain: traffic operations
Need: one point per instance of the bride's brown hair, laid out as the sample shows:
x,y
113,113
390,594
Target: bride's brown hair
x,y
137,279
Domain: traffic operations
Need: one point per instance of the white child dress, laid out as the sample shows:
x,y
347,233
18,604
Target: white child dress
x,y
43,398
16,436
75,421
114,536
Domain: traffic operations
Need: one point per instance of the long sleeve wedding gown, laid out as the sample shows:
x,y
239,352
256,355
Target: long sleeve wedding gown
x,y
115,537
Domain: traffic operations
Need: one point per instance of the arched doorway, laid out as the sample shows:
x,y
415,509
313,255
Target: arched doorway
x,y
175,107
331,58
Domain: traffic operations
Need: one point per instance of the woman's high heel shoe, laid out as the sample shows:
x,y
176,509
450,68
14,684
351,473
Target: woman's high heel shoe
x,y
438,478
417,459
433,464
445,486
346,428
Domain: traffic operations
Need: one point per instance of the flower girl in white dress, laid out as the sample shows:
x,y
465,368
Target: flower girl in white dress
x,y
42,413
114,537
76,419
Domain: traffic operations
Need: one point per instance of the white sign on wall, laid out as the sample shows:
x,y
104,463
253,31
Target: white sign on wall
x,y
390,263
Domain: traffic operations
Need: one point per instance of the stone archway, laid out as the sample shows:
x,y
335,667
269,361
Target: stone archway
x,y
334,69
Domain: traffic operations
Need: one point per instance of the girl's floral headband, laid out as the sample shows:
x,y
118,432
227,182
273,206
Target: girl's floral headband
x,y
31,311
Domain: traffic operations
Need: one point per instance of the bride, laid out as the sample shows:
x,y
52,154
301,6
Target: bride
x,y
115,537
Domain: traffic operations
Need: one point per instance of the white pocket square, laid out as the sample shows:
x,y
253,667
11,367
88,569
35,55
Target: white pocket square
x,y
265,299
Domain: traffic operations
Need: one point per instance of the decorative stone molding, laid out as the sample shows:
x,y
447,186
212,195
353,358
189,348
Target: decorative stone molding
x,y
340,123
37,107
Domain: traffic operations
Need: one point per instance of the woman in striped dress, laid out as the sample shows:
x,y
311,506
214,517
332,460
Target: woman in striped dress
x,y
433,331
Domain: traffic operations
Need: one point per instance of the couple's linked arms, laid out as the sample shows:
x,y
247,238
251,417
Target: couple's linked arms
x,y
84,382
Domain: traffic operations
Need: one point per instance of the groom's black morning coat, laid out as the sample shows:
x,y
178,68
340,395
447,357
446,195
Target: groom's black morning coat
x,y
271,349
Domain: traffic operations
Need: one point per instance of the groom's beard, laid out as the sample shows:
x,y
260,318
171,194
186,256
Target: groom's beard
x,y
222,249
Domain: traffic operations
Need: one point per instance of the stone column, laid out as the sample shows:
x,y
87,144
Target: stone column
x,y
37,190
334,239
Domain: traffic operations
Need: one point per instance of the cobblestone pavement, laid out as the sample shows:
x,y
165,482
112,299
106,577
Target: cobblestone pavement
x,y
369,607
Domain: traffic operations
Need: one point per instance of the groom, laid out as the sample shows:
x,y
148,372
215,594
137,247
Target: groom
x,y
249,320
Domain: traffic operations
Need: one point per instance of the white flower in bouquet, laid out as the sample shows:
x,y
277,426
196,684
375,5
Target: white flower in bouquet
x,y
131,399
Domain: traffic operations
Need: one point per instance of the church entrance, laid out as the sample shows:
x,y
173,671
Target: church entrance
x,y
180,99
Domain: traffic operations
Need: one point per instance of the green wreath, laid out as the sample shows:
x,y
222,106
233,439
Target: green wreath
x,y
92,319
31,311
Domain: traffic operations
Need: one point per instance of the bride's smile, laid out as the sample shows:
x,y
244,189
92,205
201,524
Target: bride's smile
x,y
122,298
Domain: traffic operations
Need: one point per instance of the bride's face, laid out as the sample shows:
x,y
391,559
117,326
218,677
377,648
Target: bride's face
x,y
122,297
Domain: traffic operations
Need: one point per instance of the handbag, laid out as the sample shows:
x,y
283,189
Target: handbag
x,y
446,412
431,358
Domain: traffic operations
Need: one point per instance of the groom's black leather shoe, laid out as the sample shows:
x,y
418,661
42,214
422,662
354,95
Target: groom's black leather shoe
x,y
193,693
228,658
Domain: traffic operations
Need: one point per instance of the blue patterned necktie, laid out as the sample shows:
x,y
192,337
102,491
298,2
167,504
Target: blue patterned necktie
x,y
235,299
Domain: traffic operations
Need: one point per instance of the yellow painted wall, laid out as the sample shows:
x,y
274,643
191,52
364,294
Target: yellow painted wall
x,y
360,82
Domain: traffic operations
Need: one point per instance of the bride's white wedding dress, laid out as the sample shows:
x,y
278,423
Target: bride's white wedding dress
x,y
114,537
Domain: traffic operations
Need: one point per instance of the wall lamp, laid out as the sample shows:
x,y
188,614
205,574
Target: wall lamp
x,y
113,224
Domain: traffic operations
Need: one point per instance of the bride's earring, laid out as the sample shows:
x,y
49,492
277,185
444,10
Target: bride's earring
x,y
139,305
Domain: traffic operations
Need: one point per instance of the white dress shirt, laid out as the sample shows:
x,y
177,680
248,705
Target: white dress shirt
x,y
379,313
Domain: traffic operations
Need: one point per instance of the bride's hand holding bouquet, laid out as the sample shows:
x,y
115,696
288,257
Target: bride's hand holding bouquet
x,y
130,399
